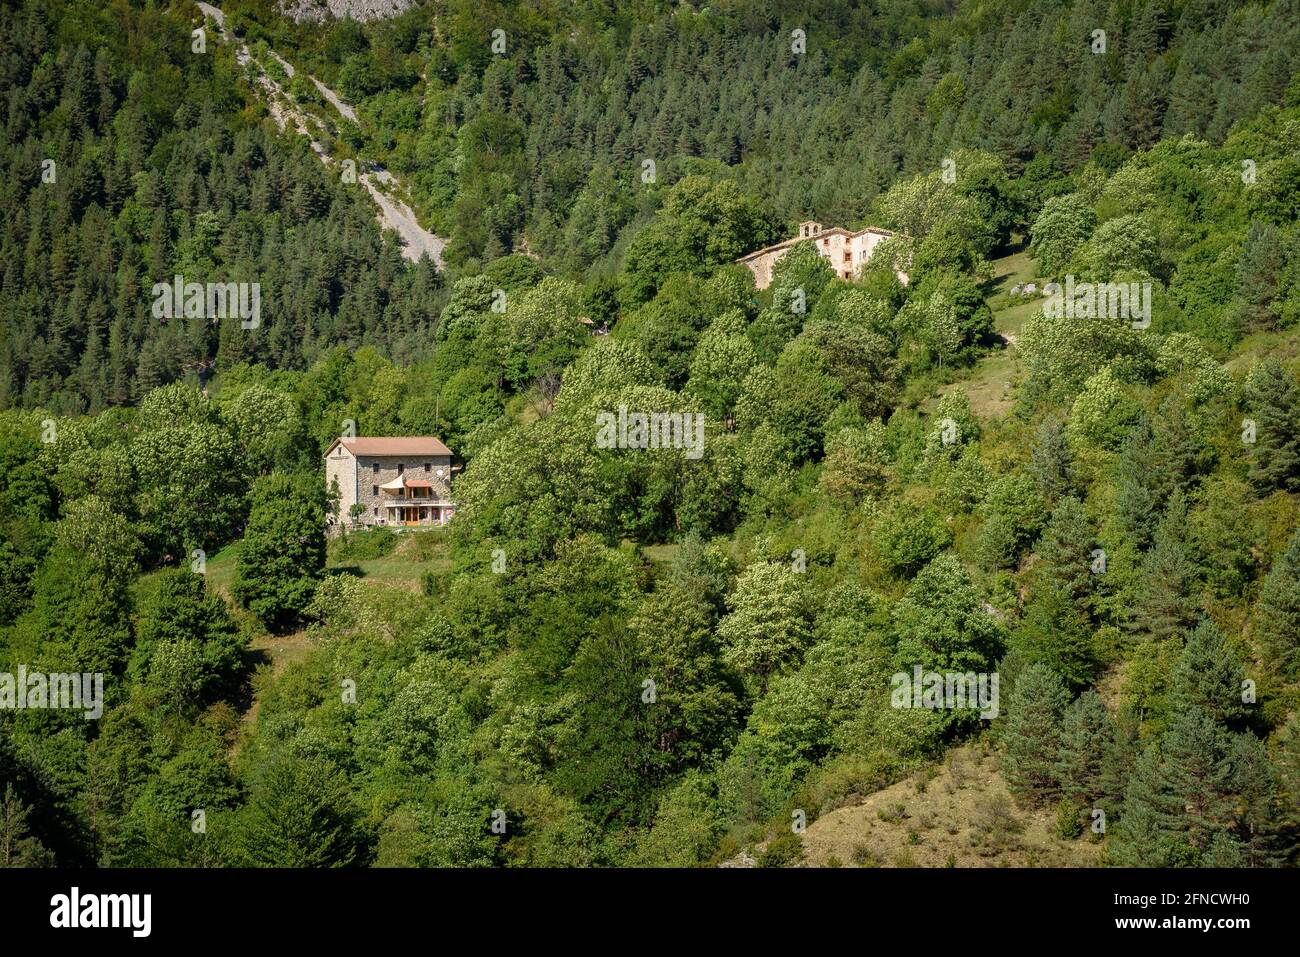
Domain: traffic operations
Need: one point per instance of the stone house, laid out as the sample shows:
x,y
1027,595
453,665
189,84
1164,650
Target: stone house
x,y
402,480
846,251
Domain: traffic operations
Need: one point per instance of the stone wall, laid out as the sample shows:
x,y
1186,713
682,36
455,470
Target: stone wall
x,y
339,466
368,478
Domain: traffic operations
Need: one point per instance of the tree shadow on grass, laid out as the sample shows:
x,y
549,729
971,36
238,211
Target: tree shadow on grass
x,y
353,570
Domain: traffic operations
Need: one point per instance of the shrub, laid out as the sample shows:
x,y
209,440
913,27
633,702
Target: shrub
x,y
911,535
783,850
893,814
363,546
864,856
1068,824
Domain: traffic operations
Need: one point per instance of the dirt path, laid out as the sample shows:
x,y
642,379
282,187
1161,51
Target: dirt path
x,y
383,187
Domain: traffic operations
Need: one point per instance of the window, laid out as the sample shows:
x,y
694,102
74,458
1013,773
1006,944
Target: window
x,y
375,491
376,510
427,466
374,468
400,468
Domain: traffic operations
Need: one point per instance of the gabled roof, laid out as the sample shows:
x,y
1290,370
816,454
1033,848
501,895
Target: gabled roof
x,y
413,445
826,232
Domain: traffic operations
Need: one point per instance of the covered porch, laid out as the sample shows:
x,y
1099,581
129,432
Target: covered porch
x,y
408,501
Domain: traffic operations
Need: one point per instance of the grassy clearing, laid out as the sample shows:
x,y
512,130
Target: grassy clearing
x,y
1010,312
954,814
660,553
416,552
992,382
221,570
1284,346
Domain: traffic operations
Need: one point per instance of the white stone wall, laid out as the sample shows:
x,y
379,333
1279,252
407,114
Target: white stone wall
x,y
761,267
845,253
863,246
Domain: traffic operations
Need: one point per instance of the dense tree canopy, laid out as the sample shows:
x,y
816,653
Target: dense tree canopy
x,y
631,652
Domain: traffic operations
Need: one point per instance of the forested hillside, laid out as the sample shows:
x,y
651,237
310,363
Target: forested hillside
x,y
637,656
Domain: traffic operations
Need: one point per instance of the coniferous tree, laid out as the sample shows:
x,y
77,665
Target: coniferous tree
x,y
1032,736
1224,850
1259,270
1209,677
1177,452
1137,500
1057,634
1087,737
18,847
1118,761
1272,399
1259,819
1149,832
300,814
1164,605
1051,462
1276,622
1065,553
1286,758
1198,773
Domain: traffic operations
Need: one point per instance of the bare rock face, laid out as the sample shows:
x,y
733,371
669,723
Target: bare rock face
x,y
314,11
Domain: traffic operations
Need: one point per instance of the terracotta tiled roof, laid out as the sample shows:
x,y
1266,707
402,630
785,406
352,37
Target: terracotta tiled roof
x,y
413,445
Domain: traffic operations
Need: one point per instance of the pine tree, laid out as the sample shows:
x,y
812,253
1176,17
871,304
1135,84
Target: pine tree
x,y
1224,850
1118,760
1145,36
1136,498
1164,605
1272,399
1198,773
1051,463
1259,269
300,814
1178,452
1276,623
1286,759
1057,634
1032,736
18,848
1087,736
1208,677
1259,819
1065,553
1149,832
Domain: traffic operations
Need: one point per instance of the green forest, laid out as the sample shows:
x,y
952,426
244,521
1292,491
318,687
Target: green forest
x,y
641,657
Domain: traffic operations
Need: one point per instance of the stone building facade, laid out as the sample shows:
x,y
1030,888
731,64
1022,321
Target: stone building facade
x,y
397,481
846,251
